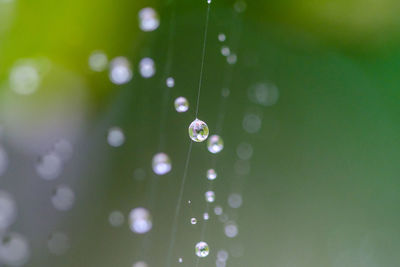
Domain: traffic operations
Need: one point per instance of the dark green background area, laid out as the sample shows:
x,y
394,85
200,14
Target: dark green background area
x,y
323,189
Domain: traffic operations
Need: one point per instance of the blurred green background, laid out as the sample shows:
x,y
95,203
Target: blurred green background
x,y
323,187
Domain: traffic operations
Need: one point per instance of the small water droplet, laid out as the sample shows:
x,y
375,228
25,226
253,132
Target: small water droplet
x,y
181,104
170,82
140,220
120,70
198,131
202,250
210,196
98,61
215,144
221,37
148,19
193,220
147,67
211,174
161,164
63,198
115,137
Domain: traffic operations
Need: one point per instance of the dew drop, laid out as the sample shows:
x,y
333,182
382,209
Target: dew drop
x,y
116,218
63,198
148,19
211,174
180,260
231,59
251,123
49,166
221,37
115,137
218,210
222,255
231,230
266,94
202,250
140,220
193,220
58,243
235,200
8,210
181,104
120,70
14,249
198,130
147,67
98,61
208,1
215,144
24,77
210,196
161,164
206,216
140,264
225,51
170,82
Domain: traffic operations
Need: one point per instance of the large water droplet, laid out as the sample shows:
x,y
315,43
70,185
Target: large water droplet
x,y
140,220
98,61
148,19
211,174
198,130
8,210
235,200
147,67
115,137
120,70
202,250
215,144
14,249
161,164
210,196
181,104
231,230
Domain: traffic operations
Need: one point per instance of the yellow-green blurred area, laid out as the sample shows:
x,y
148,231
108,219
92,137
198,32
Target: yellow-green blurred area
x,y
322,186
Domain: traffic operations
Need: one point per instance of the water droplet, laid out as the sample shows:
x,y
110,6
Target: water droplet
x,y
251,123
147,67
49,166
265,94
189,202
244,151
181,104
58,243
180,260
193,220
218,210
222,255
3,160
120,70
210,196
140,220
231,230
209,1
116,218
206,216
211,174
198,130
202,250
14,250
235,200
231,59
115,137
215,144
140,264
63,198
225,51
8,210
98,61
170,82
220,263
148,19
221,37
161,164
24,77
